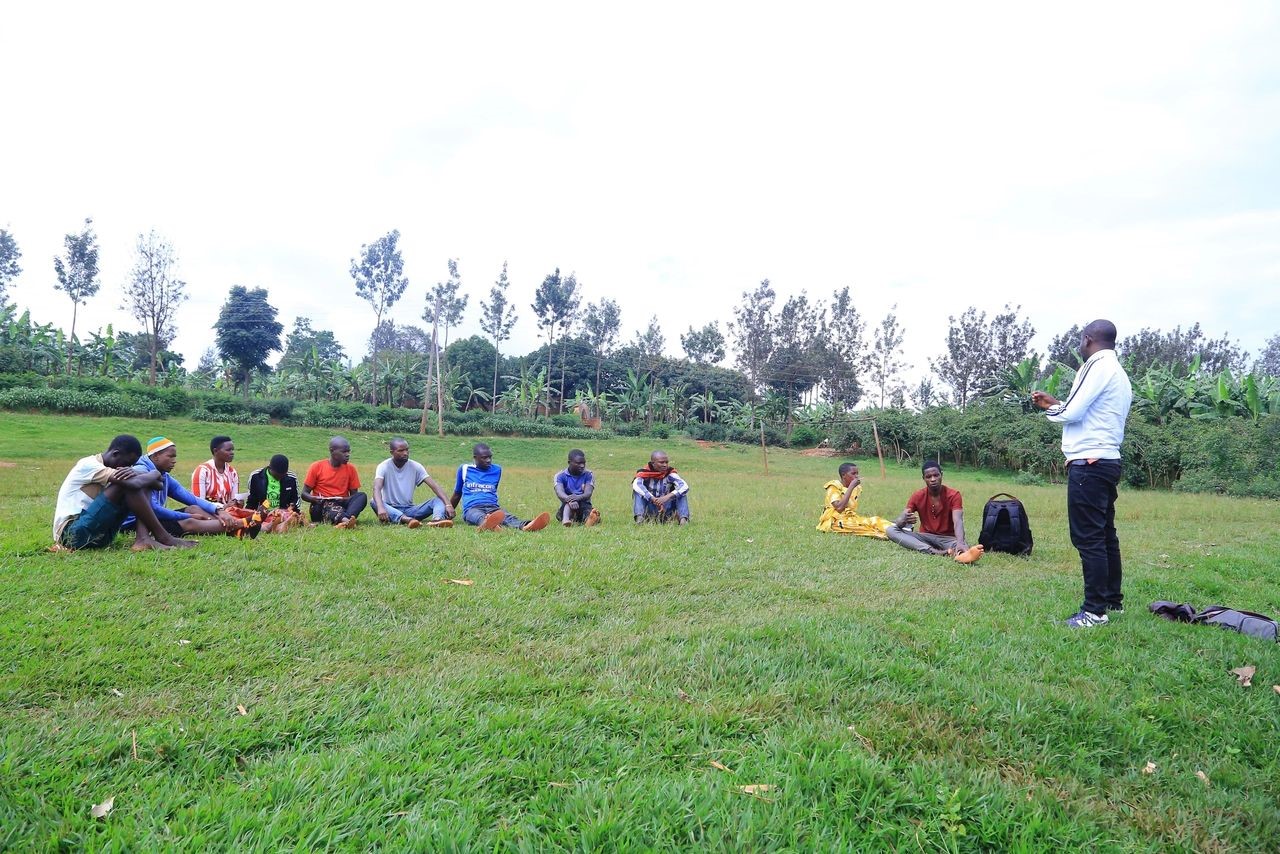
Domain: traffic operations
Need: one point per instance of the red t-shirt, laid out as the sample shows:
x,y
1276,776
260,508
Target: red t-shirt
x,y
936,521
328,482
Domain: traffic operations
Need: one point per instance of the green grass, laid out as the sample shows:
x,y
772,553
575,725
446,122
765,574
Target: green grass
x,y
574,697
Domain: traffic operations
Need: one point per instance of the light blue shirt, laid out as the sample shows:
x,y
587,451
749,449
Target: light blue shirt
x,y
1093,415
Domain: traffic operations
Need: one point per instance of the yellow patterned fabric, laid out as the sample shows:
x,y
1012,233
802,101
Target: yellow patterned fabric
x,y
848,521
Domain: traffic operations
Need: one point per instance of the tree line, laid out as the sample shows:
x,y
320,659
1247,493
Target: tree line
x,y
787,354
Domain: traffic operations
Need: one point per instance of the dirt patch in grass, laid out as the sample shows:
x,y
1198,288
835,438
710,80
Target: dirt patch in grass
x,y
5,464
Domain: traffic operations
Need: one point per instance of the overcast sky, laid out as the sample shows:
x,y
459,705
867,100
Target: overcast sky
x,y
1116,160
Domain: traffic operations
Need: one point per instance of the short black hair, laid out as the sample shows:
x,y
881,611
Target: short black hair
x,y
279,463
930,464
845,468
1102,331
217,442
576,453
480,447
126,444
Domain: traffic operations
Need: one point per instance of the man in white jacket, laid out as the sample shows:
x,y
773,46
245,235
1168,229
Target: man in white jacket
x,y
1092,419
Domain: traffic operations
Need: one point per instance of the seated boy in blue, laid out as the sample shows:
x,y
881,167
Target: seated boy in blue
x,y
477,488
197,516
573,487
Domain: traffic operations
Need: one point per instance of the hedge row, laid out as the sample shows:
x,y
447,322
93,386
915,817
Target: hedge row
x,y
73,401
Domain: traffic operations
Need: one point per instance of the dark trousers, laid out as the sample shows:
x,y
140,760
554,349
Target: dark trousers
x,y
332,510
1091,515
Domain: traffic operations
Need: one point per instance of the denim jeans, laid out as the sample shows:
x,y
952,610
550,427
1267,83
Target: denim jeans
x,y
475,514
1091,517
433,508
679,508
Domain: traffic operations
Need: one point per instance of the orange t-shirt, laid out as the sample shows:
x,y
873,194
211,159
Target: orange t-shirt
x,y
937,521
325,481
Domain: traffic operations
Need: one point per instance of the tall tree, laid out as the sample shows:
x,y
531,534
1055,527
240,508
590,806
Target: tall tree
x,y
452,306
1268,364
649,344
77,271
796,363
1179,349
600,326
884,360
922,395
554,303
247,331
968,340
380,281
753,329
497,316
1010,341
843,351
704,346
154,292
1065,349
9,267
304,342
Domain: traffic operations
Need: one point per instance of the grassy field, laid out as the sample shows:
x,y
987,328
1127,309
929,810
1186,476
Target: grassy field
x,y
576,696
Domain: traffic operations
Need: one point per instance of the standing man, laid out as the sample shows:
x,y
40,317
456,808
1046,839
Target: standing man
x,y
940,512
1092,419
393,484
332,487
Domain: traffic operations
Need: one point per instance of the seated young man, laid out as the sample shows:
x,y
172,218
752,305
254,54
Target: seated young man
x,y
574,486
660,494
393,484
100,491
840,515
332,487
940,510
273,493
477,488
197,516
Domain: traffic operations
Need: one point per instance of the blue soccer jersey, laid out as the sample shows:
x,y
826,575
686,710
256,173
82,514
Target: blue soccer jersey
x,y
477,487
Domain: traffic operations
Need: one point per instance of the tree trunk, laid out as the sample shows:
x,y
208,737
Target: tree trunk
x,y
493,401
71,339
377,323
247,373
551,346
439,387
155,342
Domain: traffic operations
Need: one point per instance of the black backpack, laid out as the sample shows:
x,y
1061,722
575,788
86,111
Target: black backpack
x,y
1005,527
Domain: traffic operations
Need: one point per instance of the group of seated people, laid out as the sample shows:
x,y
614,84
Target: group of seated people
x,y
932,521
128,489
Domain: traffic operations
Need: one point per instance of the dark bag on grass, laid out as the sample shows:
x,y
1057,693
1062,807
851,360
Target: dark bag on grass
x,y
1244,622
1179,613
1005,527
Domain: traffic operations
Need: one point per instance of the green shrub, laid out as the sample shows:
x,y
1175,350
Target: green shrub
x,y
804,436
711,432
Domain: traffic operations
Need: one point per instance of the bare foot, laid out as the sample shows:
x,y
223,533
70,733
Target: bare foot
x,y
413,523
593,518
347,523
971,555
493,521
440,523
180,543
148,545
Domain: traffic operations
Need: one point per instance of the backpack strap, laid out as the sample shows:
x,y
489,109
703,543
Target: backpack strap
x,y
1005,494
990,516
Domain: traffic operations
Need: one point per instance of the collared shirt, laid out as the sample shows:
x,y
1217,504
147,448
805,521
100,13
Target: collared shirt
x,y
478,487
1094,413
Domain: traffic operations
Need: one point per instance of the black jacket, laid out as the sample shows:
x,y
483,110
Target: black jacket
x,y
258,491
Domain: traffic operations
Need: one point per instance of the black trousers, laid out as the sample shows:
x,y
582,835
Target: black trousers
x,y
332,510
1091,515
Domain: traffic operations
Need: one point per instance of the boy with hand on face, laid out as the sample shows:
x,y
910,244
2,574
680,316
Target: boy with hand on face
x,y
573,487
